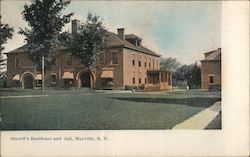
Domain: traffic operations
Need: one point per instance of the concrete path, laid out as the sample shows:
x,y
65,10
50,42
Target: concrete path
x,y
202,119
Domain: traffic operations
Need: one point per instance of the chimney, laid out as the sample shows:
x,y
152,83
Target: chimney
x,y
120,32
75,24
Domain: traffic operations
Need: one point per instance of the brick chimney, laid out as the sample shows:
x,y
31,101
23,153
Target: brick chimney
x,y
120,33
75,24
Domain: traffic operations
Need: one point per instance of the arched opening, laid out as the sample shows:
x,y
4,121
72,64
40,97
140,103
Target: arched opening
x,y
85,78
28,81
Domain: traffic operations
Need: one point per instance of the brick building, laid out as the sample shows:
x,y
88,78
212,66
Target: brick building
x,y
123,62
211,70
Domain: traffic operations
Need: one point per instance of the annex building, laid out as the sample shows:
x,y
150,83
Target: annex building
x,y
123,63
211,70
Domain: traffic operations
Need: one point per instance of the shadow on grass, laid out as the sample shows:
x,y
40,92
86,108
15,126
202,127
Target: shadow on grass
x,y
193,102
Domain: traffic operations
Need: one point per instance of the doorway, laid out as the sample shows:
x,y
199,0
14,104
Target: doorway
x,y
28,81
85,79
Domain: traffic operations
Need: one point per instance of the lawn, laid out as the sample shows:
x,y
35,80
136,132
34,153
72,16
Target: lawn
x,y
85,110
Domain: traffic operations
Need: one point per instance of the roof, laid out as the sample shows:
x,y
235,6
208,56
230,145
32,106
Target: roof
x,y
24,48
213,55
114,41
21,49
132,36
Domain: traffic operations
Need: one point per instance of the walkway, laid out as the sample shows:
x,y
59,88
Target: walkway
x,y
202,119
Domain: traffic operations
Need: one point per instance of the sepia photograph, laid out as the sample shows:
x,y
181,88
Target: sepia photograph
x,y
110,66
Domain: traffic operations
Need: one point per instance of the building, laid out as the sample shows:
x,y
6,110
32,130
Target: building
x,y
123,63
211,70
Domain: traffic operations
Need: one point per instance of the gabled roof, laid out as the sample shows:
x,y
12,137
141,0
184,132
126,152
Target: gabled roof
x,y
21,49
115,41
213,55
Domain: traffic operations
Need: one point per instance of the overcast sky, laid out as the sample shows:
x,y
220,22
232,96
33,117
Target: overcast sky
x,y
184,30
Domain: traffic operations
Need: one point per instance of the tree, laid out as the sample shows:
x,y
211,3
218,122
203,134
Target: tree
x,y
88,42
169,64
189,74
6,33
45,21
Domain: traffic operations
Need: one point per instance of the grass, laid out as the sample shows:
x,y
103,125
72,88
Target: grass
x,y
85,110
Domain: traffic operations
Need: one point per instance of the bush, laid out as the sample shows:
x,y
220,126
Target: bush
x,y
215,87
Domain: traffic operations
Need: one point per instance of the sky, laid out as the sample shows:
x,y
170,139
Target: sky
x,y
180,29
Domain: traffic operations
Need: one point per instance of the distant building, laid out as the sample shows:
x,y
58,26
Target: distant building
x,y
211,70
124,62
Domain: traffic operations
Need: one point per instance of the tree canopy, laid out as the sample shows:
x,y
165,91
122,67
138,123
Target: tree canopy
x,y
169,64
45,22
191,74
88,42
6,33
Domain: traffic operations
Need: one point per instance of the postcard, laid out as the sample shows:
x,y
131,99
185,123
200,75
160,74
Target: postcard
x,y
124,78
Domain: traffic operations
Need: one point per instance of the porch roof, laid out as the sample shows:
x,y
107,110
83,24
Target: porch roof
x,y
157,70
16,77
68,75
38,77
107,74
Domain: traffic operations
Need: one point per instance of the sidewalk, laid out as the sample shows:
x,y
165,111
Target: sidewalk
x,y
202,119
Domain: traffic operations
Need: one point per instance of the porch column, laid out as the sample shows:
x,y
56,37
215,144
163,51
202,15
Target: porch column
x,y
159,77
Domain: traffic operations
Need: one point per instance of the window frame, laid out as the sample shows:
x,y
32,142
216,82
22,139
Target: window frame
x,y
19,63
116,58
209,78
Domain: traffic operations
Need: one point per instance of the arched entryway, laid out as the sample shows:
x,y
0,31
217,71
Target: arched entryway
x,y
85,78
28,81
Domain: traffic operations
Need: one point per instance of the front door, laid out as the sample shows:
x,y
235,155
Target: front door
x,y
28,81
85,80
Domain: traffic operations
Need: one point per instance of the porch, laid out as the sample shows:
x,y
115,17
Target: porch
x,y
158,80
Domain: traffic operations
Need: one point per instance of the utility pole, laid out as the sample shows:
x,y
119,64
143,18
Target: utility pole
x,y
43,72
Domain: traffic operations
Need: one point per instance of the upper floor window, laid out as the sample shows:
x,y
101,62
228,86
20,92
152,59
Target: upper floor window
x,y
133,59
153,63
17,62
149,64
69,60
139,62
211,79
114,58
101,58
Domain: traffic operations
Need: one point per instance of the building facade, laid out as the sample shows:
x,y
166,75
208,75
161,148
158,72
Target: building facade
x,y
211,70
123,62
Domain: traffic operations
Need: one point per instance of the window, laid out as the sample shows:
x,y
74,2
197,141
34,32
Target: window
x,y
114,58
69,60
153,63
157,64
133,60
149,64
101,58
145,80
139,80
139,62
211,79
134,77
17,62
